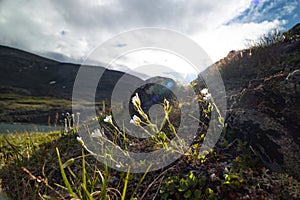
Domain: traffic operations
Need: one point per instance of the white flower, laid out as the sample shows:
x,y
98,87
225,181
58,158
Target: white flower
x,y
136,100
204,91
118,166
108,119
207,97
79,139
213,177
135,120
97,133
166,105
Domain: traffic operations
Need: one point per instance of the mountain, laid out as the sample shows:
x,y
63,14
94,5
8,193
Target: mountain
x,y
34,88
38,76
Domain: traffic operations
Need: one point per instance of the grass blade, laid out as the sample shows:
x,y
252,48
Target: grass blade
x,y
84,184
83,170
140,182
126,183
63,174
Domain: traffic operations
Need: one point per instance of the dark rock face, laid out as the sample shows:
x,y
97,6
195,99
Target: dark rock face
x,y
263,89
263,96
267,114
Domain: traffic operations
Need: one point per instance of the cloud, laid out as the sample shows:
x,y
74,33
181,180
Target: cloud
x,y
75,28
225,38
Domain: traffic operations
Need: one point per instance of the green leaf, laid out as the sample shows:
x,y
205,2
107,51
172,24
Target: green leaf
x,y
164,195
187,194
197,193
68,163
202,136
202,181
183,186
221,120
192,179
191,176
209,192
64,176
171,187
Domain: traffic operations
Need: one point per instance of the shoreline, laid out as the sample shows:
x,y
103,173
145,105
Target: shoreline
x,y
6,128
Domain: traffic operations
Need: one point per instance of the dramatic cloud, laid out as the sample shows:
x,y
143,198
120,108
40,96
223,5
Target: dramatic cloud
x,y
69,30
219,41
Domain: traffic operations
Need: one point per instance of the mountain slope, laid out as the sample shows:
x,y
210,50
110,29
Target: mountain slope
x,y
41,76
33,88
263,89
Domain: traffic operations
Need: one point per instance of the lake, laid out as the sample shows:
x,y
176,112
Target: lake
x,y
12,128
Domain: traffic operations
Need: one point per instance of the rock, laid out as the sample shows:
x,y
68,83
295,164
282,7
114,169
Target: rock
x,y
266,114
263,93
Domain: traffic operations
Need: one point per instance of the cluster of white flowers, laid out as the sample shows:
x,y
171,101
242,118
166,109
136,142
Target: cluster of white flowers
x,y
137,104
136,100
97,133
136,120
108,119
167,107
206,94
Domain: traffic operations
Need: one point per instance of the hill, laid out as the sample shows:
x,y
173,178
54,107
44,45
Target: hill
x,y
263,88
34,88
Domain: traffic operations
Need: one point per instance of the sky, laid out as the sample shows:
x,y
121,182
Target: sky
x,y
69,30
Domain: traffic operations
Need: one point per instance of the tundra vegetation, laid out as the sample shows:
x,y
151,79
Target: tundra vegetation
x,y
59,164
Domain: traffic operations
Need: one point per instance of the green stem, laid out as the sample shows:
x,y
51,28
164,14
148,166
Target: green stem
x,y
125,184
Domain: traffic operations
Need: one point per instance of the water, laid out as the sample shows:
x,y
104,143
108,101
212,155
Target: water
x,y
13,128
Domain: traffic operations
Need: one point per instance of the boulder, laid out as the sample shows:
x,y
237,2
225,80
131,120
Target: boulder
x,y
267,114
